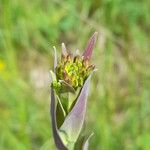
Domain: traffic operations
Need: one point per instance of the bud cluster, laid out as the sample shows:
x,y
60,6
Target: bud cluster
x,y
73,70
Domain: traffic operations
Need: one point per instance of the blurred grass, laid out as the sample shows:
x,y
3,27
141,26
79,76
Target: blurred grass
x,y
119,101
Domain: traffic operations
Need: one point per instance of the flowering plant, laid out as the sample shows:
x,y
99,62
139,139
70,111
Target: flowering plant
x,y
70,83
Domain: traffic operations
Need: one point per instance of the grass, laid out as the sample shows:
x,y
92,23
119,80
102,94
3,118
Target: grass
x,y
118,107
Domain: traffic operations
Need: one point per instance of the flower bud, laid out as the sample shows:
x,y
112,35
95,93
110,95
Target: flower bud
x,y
70,87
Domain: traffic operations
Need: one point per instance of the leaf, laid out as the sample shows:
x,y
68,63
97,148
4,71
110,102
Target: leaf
x,y
86,144
59,101
52,76
55,58
88,51
60,113
57,139
74,121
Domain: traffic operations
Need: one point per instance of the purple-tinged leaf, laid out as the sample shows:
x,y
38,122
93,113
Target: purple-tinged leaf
x,y
74,121
55,58
88,51
64,50
86,144
57,139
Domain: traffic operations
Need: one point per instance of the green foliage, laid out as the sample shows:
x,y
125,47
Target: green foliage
x,y
118,106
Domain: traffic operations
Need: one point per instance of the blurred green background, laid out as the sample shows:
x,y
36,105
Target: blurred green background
x,y
119,101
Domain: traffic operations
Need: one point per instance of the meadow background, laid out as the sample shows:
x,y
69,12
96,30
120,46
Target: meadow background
x,y
119,101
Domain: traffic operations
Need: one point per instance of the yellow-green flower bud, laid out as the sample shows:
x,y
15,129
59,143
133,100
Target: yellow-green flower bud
x,y
73,70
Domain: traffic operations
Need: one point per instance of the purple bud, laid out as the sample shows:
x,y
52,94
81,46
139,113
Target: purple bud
x,y
88,51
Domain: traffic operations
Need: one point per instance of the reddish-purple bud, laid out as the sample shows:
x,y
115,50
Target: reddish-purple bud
x,y
88,51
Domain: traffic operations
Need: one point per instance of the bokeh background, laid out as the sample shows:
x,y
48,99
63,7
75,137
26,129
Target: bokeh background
x,y
119,101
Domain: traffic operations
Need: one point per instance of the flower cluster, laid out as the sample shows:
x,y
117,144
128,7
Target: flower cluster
x,y
73,70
